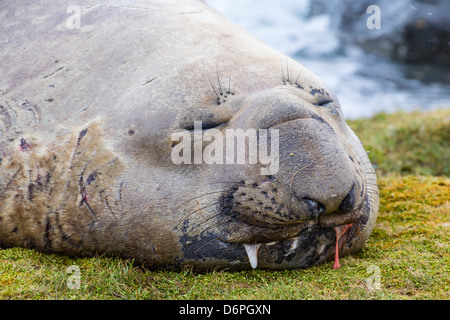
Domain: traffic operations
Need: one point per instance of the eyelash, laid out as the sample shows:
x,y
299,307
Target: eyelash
x,y
324,103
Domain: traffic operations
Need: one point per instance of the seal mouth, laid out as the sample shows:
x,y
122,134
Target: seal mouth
x,y
337,219
244,233
260,240
255,239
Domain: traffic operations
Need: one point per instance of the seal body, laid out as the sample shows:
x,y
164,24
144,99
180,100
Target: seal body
x,y
88,118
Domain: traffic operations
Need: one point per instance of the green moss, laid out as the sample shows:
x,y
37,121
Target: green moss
x,y
407,143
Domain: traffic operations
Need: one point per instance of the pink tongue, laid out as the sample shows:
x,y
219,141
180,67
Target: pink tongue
x,y
339,233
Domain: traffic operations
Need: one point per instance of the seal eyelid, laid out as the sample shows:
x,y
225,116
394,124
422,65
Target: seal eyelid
x,y
206,126
324,103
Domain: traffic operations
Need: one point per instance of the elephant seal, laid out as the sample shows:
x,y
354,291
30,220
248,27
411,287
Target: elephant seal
x,y
91,101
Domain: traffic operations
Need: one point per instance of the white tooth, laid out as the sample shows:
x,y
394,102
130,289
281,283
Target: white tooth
x,y
252,252
294,244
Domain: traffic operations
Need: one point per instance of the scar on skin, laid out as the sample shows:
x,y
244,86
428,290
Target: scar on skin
x,y
24,146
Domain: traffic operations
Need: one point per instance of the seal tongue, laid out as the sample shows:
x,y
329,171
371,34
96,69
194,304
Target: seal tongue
x,y
252,252
339,233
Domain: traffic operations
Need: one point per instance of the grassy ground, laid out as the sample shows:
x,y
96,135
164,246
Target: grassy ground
x,y
407,143
407,256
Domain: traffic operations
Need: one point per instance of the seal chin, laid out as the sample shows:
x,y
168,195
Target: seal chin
x,y
308,248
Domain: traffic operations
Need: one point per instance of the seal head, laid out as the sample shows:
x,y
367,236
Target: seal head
x,y
164,133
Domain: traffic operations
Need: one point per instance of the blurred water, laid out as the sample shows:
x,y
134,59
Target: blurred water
x,y
365,84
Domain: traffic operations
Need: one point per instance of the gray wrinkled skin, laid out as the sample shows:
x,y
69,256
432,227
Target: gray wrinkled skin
x,y
86,118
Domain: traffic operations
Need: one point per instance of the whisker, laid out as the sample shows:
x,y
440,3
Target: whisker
x,y
292,179
215,92
298,76
219,223
195,211
236,182
287,71
218,78
203,195
204,221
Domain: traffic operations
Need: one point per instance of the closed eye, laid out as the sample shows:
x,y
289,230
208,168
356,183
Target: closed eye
x,y
206,126
203,125
324,102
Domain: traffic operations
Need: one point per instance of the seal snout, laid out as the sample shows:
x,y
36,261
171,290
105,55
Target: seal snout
x,y
316,208
348,204
333,208
348,210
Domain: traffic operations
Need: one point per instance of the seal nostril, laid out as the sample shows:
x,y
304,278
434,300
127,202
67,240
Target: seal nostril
x,y
314,207
321,208
347,205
